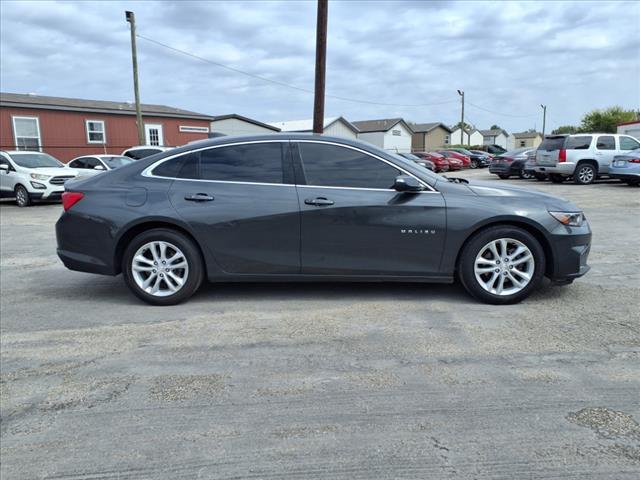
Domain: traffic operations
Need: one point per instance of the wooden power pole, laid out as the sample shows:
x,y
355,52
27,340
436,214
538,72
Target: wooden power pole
x,y
461,93
131,18
321,66
544,118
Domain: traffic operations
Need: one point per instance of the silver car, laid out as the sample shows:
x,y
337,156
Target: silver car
x,y
583,156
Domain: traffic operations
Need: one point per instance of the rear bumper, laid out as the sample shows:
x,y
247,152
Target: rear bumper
x,y
624,176
564,168
503,169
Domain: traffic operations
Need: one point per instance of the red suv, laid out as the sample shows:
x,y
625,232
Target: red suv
x,y
440,163
466,161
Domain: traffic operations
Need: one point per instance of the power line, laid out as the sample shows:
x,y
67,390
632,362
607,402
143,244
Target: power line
x,y
283,84
499,113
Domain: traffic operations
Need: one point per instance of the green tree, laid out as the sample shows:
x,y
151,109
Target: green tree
x,y
565,129
606,120
467,126
495,127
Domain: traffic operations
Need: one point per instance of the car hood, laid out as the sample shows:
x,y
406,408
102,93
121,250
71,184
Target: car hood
x,y
53,171
495,189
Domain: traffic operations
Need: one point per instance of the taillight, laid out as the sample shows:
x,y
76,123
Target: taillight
x,y
562,155
634,160
69,199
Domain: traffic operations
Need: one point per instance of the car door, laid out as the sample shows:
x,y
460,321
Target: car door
x,y
354,223
6,183
241,201
605,151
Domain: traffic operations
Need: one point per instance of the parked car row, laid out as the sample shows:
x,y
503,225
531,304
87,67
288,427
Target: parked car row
x,y
30,176
582,158
444,160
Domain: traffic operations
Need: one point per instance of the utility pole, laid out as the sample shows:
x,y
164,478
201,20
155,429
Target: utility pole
x,y
131,18
321,66
461,93
544,118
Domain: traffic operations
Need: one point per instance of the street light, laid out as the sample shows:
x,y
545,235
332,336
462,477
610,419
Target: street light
x,y
544,118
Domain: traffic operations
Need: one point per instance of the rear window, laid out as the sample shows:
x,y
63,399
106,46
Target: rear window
x,y
582,142
141,153
552,143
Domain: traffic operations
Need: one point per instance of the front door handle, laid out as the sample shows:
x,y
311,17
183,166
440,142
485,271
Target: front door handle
x,y
318,201
199,197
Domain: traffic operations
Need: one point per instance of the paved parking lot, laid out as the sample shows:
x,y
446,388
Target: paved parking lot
x,y
321,380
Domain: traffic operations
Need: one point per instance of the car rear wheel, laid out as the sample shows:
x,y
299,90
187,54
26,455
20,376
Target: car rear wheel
x,y
525,175
23,199
541,177
501,265
585,174
162,267
473,164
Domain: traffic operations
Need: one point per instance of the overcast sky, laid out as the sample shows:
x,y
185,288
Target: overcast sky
x,y
509,57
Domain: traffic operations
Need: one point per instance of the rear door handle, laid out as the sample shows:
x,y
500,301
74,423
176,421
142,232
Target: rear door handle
x,y
199,197
318,201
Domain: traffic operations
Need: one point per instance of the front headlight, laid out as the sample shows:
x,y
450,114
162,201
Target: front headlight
x,y
39,176
570,219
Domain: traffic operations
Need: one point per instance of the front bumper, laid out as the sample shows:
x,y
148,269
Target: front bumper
x,y
571,247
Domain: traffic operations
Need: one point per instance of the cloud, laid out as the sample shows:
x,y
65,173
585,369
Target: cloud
x,y
508,56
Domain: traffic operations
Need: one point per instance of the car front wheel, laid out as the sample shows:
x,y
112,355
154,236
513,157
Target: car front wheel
x,y
22,196
525,175
501,265
585,174
162,267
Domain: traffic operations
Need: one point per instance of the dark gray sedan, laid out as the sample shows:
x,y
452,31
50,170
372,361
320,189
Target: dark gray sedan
x,y
291,207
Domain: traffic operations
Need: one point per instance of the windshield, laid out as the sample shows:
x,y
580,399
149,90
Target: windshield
x,y
35,160
411,156
117,161
463,151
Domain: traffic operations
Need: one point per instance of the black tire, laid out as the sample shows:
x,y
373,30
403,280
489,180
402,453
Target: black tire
x,y
191,253
585,174
23,199
467,258
541,177
556,178
473,164
632,183
503,176
525,175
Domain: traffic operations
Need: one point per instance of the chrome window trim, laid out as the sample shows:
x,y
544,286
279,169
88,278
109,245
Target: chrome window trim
x,y
147,172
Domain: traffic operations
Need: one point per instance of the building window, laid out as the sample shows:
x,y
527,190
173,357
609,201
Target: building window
x,y
192,129
522,143
396,133
26,132
446,140
95,131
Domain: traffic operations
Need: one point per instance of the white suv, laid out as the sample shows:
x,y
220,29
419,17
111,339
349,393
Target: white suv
x,y
583,156
30,176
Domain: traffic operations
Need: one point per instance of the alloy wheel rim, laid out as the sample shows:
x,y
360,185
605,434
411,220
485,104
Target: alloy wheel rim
x,y
585,174
21,196
160,268
504,266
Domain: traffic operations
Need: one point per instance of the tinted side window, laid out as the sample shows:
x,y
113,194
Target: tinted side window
x,y
333,166
79,163
257,162
92,162
627,143
184,166
582,142
606,143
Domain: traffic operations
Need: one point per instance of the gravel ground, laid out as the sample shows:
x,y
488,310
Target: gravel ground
x,y
307,381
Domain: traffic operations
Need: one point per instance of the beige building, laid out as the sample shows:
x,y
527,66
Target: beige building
x,y
527,139
429,136
235,124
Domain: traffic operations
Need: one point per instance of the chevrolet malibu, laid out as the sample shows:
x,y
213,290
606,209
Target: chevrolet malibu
x,y
294,207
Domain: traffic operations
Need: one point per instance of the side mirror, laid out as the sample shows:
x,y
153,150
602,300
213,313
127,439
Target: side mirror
x,y
407,183
99,167
4,167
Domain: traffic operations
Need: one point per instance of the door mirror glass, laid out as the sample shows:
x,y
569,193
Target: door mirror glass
x,y
407,183
98,167
4,167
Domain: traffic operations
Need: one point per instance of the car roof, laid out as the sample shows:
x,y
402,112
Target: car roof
x,y
146,147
